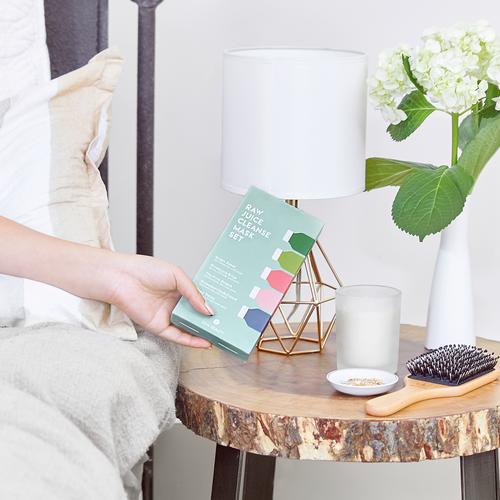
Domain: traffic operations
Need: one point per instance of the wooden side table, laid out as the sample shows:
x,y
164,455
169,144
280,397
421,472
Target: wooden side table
x,y
274,406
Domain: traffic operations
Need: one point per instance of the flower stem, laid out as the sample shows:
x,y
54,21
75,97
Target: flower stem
x,y
454,138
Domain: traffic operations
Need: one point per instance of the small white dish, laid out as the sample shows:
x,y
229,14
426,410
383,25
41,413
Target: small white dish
x,y
338,379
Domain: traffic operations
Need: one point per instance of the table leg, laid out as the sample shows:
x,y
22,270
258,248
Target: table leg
x,y
227,473
231,466
259,477
480,479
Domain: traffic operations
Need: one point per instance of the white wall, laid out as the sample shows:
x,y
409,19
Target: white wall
x,y
191,208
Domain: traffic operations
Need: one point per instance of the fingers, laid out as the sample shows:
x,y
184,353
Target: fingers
x,y
179,337
188,289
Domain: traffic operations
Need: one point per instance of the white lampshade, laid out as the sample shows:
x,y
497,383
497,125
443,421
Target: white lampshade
x,y
294,122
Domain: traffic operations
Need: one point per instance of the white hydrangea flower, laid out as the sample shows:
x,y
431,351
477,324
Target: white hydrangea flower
x,y
389,84
451,64
493,71
497,103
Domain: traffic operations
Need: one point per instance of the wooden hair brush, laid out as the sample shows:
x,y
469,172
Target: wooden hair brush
x,y
452,370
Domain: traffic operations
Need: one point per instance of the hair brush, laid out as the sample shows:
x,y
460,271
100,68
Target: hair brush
x,y
452,370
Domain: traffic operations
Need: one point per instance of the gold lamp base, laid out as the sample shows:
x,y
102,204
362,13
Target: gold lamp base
x,y
310,333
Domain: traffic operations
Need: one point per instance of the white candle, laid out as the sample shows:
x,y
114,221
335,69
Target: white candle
x,y
367,327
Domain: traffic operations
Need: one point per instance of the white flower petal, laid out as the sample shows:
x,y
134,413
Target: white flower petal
x,y
453,65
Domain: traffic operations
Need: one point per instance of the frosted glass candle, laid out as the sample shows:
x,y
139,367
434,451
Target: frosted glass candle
x,y
367,327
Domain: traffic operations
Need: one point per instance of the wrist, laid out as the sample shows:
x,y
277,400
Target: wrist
x,y
111,270
88,272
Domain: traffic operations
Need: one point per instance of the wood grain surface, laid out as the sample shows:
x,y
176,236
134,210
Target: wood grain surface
x,y
283,406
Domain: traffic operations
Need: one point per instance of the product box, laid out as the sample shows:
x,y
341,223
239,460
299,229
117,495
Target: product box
x,y
248,271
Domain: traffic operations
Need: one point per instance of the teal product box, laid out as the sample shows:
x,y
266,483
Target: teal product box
x,y
248,271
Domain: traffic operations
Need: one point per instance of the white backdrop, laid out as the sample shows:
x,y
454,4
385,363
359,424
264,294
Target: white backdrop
x,y
191,208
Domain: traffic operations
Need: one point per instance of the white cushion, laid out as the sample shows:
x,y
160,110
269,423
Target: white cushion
x,y
52,138
24,59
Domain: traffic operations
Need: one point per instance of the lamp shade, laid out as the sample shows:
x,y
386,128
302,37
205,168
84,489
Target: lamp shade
x,y
294,122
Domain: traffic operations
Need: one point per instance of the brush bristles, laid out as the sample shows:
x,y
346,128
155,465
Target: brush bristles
x,y
452,364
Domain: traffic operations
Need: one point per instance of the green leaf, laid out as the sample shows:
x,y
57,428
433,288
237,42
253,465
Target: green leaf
x,y
481,147
469,127
430,199
488,110
409,72
467,130
417,109
479,117
382,172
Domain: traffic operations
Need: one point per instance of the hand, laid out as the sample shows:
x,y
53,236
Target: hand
x,y
147,290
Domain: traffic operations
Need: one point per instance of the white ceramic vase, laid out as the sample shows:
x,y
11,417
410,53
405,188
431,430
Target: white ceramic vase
x,y
450,318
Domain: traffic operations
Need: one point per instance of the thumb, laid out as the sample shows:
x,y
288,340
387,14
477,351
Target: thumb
x,y
188,289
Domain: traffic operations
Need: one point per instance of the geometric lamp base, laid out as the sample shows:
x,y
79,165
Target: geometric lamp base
x,y
311,294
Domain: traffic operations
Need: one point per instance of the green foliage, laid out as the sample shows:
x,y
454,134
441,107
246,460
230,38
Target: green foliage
x,y
488,109
382,172
409,72
417,109
481,146
429,199
468,129
479,117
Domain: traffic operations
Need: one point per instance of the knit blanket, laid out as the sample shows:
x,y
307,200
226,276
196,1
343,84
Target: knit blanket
x,y
78,411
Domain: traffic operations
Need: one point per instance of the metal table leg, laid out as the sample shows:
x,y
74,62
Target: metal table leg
x,y
259,477
235,470
227,473
479,474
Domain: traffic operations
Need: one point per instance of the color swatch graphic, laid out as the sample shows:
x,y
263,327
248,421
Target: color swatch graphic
x,y
266,298
289,261
254,318
278,279
300,242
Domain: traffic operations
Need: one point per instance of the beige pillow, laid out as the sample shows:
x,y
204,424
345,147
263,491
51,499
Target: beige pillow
x,y
52,138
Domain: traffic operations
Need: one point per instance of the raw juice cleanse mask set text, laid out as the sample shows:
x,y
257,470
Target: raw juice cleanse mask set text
x,y
248,271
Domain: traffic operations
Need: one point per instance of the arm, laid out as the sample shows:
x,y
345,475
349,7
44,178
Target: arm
x,y
145,288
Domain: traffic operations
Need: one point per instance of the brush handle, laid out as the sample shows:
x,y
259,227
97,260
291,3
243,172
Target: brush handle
x,y
395,401
416,391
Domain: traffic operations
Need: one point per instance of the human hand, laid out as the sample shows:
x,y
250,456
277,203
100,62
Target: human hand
x,y
144,288
147,290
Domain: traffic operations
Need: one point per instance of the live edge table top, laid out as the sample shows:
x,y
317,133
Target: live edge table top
x,y
283,406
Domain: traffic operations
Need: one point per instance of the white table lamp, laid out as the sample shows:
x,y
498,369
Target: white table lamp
x,y
294,124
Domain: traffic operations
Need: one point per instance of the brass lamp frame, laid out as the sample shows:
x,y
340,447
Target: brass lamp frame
x,y
313,310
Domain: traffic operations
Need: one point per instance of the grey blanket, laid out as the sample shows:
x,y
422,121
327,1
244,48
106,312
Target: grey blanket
x,y
78,411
